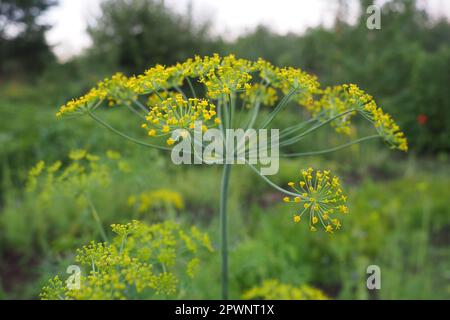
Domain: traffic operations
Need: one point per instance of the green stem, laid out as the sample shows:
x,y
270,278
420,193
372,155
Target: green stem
x,y
315,153
93,116
298,138
141,106
254,114
273,185
181,92
286,99
232,109
224,228
286,132
194,94
135,112
96,218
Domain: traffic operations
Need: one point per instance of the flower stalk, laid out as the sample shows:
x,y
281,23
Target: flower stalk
x,y
225,186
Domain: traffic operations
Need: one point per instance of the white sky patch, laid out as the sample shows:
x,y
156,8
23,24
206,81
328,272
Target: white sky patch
x,y
70,19
230,18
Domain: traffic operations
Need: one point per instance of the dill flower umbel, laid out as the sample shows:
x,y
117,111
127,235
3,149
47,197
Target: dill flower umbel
x,y
320,199
141,261
382,121
274,290
228,76
289,79
224,77
221,76
177,113
342,103
84,171
258,93
116,90
386,126
333,101
82,104
153,200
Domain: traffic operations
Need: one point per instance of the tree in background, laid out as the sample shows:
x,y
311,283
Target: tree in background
x,y
23,48
135,34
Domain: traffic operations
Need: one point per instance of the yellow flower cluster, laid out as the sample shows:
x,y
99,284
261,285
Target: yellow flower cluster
x,y
140,262
220,75
295,79
256,82
268,72
119,90
386,127
335,101
287,79
274,290
33,175
229,76
177,113
83,171
320,197
157,78
123,230
84,103
383,122
158,199
259,93
199,66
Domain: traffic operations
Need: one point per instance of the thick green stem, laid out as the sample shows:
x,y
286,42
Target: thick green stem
x,y
224,228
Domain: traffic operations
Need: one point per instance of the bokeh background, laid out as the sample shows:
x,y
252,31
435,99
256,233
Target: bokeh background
x,y
52,51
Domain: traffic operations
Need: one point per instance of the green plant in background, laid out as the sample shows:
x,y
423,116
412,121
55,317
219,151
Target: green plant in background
x,y
274,290
141,262
230,93
83,174
162,201
74,182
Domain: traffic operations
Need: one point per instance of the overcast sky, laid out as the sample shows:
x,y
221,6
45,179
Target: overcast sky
x,y
230,17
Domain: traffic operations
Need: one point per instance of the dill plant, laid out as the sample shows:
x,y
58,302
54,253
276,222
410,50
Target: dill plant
x,y
162,202
140,262
274,290
231,93
70,185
